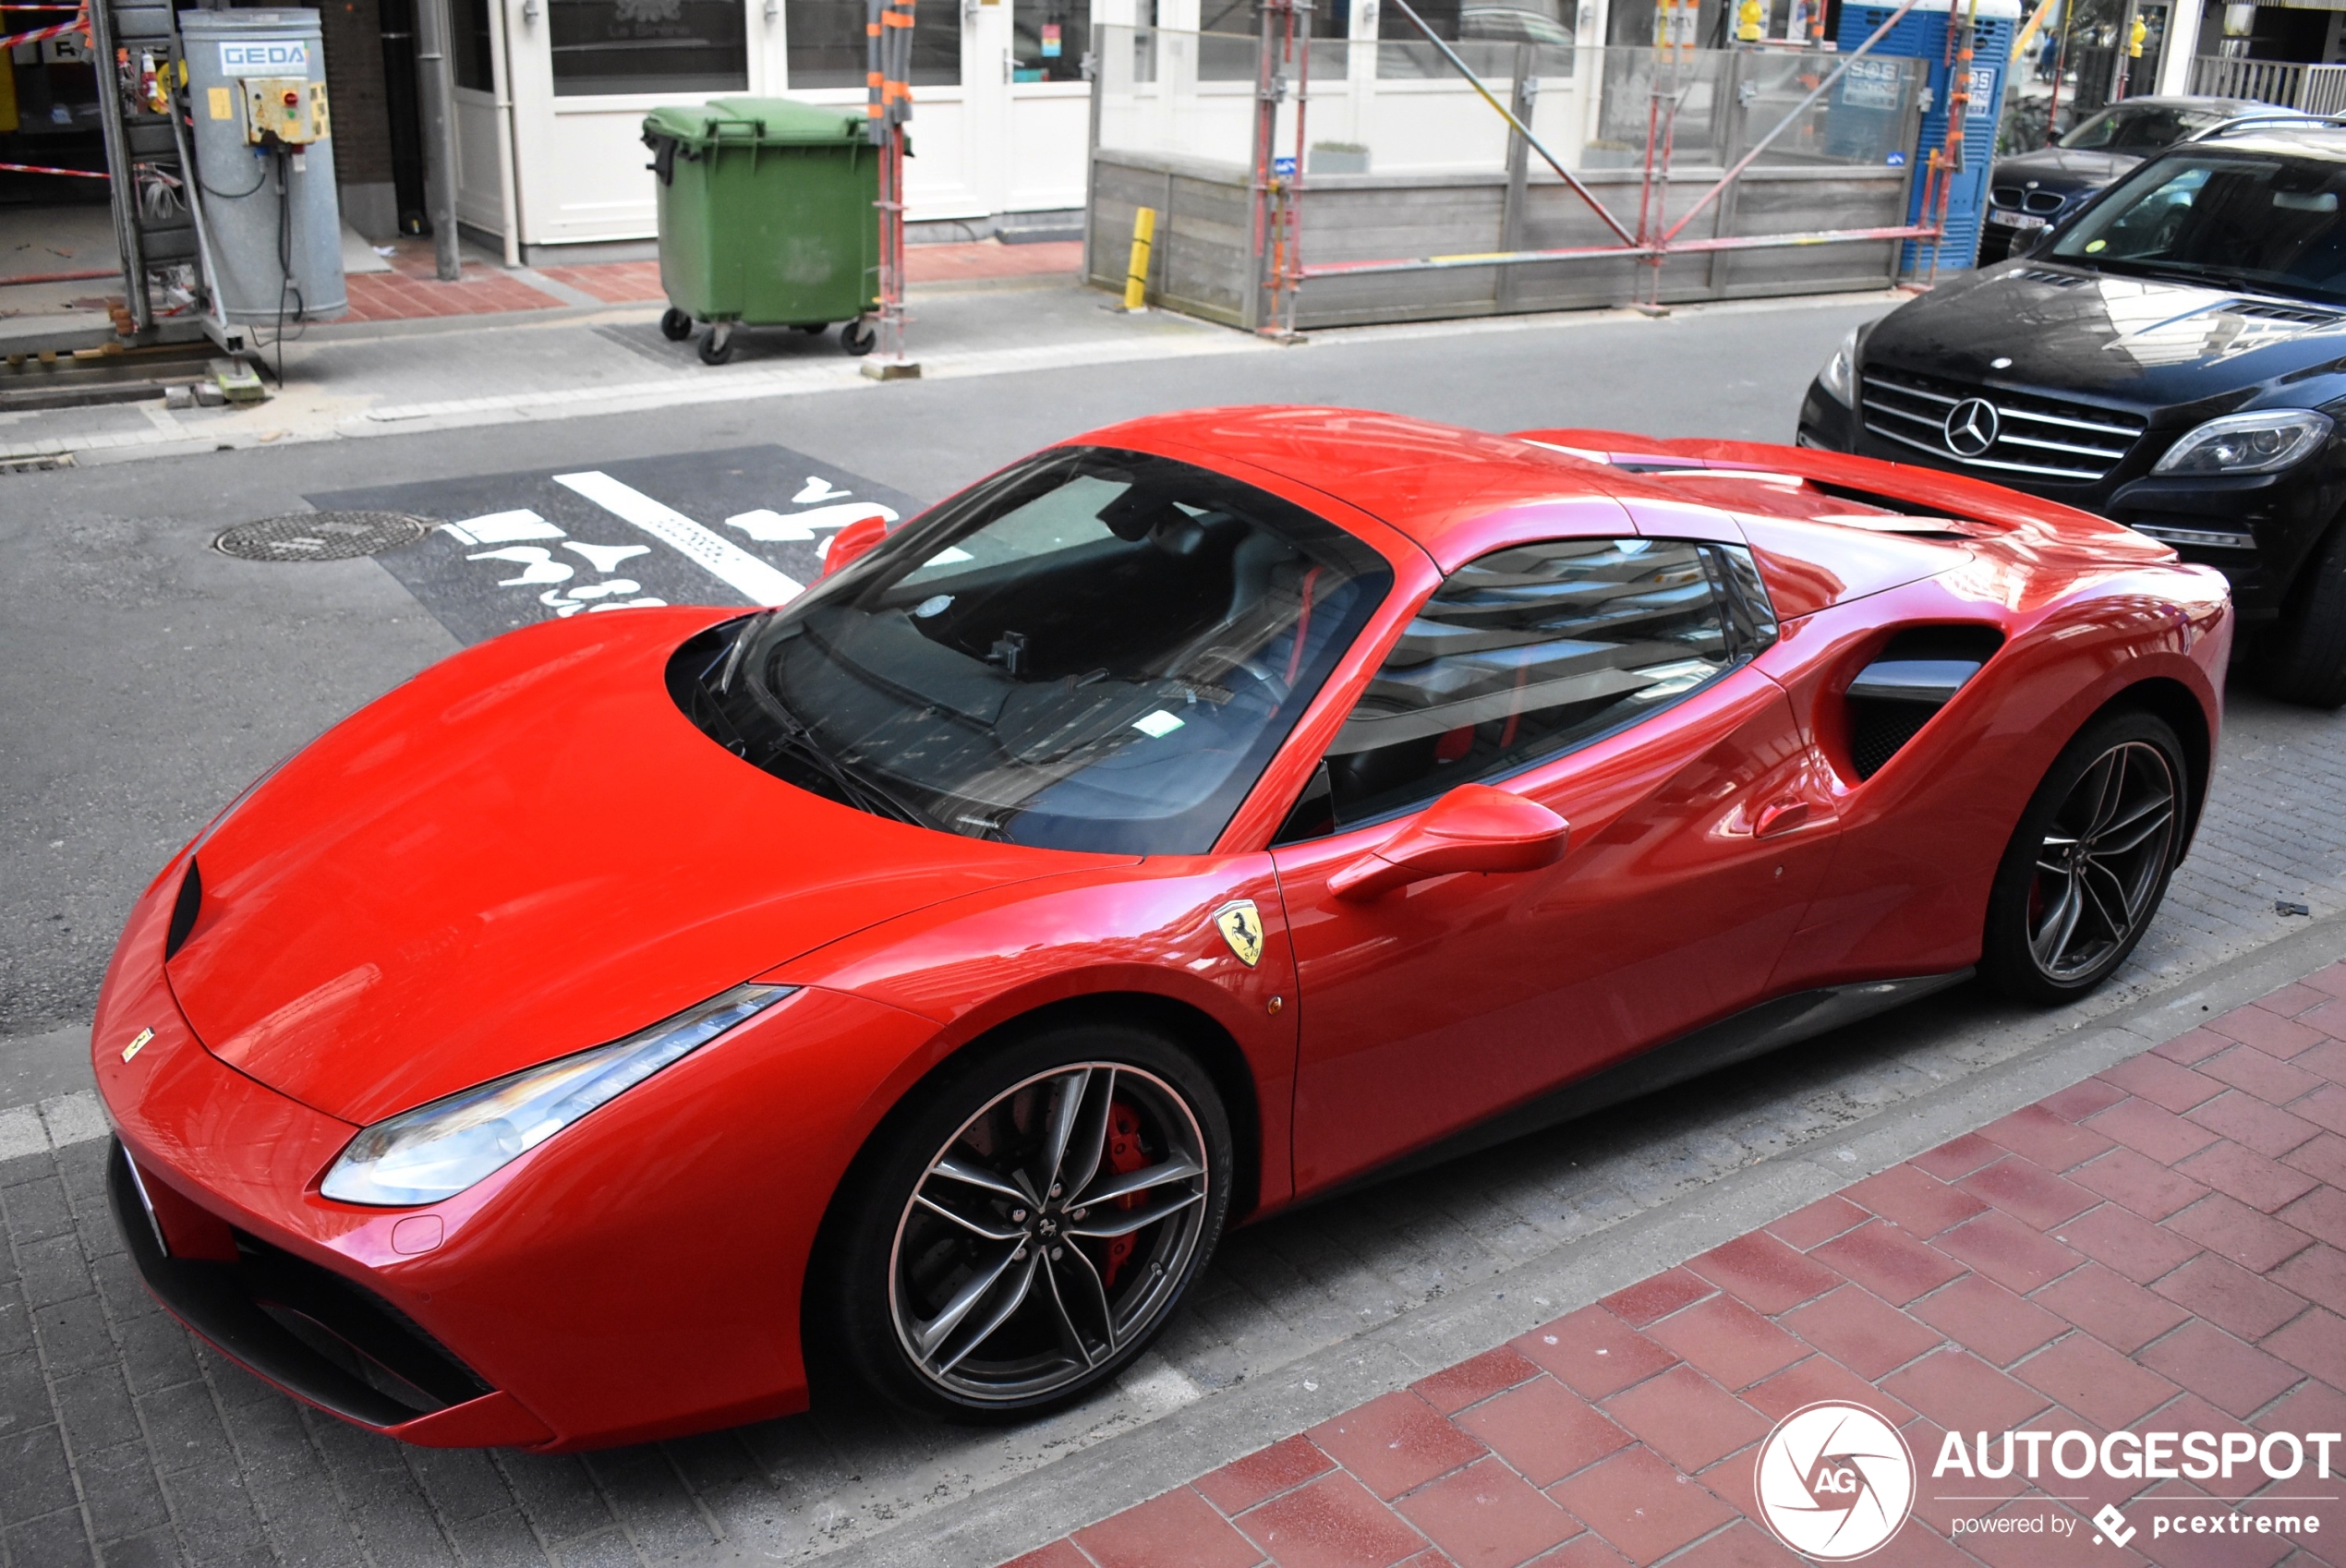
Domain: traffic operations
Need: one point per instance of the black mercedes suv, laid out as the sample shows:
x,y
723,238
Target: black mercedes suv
x,y
2172,355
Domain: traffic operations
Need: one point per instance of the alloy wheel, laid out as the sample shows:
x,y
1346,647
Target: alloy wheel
x,y
1049,1234
2100,865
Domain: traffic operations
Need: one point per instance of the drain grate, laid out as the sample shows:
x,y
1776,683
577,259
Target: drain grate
x,y
36,464
321,535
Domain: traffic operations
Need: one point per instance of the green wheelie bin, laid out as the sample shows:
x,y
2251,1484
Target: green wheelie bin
x,y
766,220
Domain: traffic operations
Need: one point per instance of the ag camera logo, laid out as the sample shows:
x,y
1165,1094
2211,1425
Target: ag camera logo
x,y
1835,1481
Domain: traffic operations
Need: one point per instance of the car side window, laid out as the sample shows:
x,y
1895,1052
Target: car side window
x,y
1530,651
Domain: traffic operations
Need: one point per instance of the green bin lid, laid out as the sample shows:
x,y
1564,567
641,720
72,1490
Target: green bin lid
x,y
778,122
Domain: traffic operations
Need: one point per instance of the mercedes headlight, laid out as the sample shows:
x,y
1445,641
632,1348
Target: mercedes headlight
x,y
437,1151
2247,443
1840,373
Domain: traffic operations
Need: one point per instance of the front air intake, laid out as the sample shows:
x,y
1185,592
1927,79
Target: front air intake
x,y
1918,674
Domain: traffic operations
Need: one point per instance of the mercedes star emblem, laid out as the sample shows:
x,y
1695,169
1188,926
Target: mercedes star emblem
x,y
1971,426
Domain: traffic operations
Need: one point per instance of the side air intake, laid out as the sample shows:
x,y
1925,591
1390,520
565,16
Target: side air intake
x,y
1916,676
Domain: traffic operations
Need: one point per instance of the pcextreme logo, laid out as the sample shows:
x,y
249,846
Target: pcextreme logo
x,y
1835,1481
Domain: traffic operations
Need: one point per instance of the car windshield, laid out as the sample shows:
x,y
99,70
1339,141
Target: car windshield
x,y
2228,220
1095,650
2141,127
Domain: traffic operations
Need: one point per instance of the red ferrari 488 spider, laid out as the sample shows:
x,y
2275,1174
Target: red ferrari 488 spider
x,y
1186,820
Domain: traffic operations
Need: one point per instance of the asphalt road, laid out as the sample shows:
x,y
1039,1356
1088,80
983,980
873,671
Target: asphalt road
x,y
144,679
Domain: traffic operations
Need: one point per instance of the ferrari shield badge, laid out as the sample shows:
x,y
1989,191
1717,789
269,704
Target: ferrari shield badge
x,y
139,1045
1242,926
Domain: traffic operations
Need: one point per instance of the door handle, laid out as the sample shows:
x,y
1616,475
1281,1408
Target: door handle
x,y
1780,816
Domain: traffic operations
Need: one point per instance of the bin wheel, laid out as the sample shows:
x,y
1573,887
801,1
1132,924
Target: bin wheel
x,y
858,337
813,329
675,325
718,346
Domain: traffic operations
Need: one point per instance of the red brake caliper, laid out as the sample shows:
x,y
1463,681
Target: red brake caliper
x,y
1124,1157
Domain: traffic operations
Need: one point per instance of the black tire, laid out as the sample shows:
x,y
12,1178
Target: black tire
x,y
858,337
675,325
888,1273
2094,849
2302,659
718,346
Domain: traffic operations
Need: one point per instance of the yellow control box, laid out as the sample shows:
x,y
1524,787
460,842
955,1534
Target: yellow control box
x,y
288,111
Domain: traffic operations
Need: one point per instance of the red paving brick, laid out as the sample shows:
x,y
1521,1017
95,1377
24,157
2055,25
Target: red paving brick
x,y
1395,1443
411,290
1177,1530
1764,1272
1487,1516
1685,1418
1333,1523
1659,1296
1594,1352
1819,1222
2095,1263
1728,1340
1454,1388
1643,1508
2145,1186
1989,1320
1239,1485
2127,1243
2095,1380
2230,1296
1916,1200
2026,1191
1545,1431
1889,1261
1862,1332
2053,1142
2112,1307
2008,1251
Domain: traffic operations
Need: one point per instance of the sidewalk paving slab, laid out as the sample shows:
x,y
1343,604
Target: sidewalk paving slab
x,y
2045,1273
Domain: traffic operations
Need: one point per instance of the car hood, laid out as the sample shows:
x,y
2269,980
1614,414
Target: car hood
x,y
2063,169
525,851
2141,343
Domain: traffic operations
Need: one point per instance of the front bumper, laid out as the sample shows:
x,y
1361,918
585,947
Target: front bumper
x,y
635,1278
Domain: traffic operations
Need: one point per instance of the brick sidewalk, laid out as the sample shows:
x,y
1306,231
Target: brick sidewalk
x,y
2162,1247
410,291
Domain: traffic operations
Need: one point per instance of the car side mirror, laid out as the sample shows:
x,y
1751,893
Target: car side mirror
x,y
1474,827
857,538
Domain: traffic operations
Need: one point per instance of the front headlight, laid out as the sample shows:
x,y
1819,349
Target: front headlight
x,y
1840,373
2247,443
437,1151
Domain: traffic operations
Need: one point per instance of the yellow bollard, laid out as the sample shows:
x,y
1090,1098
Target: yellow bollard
x,y
1136,276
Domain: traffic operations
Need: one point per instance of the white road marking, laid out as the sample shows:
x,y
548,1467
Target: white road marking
x,y
56,1123
502,528
719,557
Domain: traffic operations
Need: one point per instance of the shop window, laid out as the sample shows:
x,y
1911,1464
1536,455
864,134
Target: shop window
x,y
827,46
641,46
1049,40
470,49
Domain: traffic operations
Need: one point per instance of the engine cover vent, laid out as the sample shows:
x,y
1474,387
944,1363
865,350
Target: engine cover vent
x,y
1909,681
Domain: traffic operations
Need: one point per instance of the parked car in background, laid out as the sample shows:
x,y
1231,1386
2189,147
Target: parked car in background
x,y
2173,356
2030,191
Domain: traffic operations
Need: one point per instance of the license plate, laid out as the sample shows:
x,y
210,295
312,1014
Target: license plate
x,y
2022,220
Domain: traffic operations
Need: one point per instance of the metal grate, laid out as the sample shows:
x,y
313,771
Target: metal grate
x,y
321,535
2042,438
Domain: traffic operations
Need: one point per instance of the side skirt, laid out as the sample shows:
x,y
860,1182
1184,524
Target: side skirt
x,y
1755,1032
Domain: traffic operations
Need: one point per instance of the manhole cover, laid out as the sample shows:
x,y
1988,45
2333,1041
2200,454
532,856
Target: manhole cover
x,y
321,535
